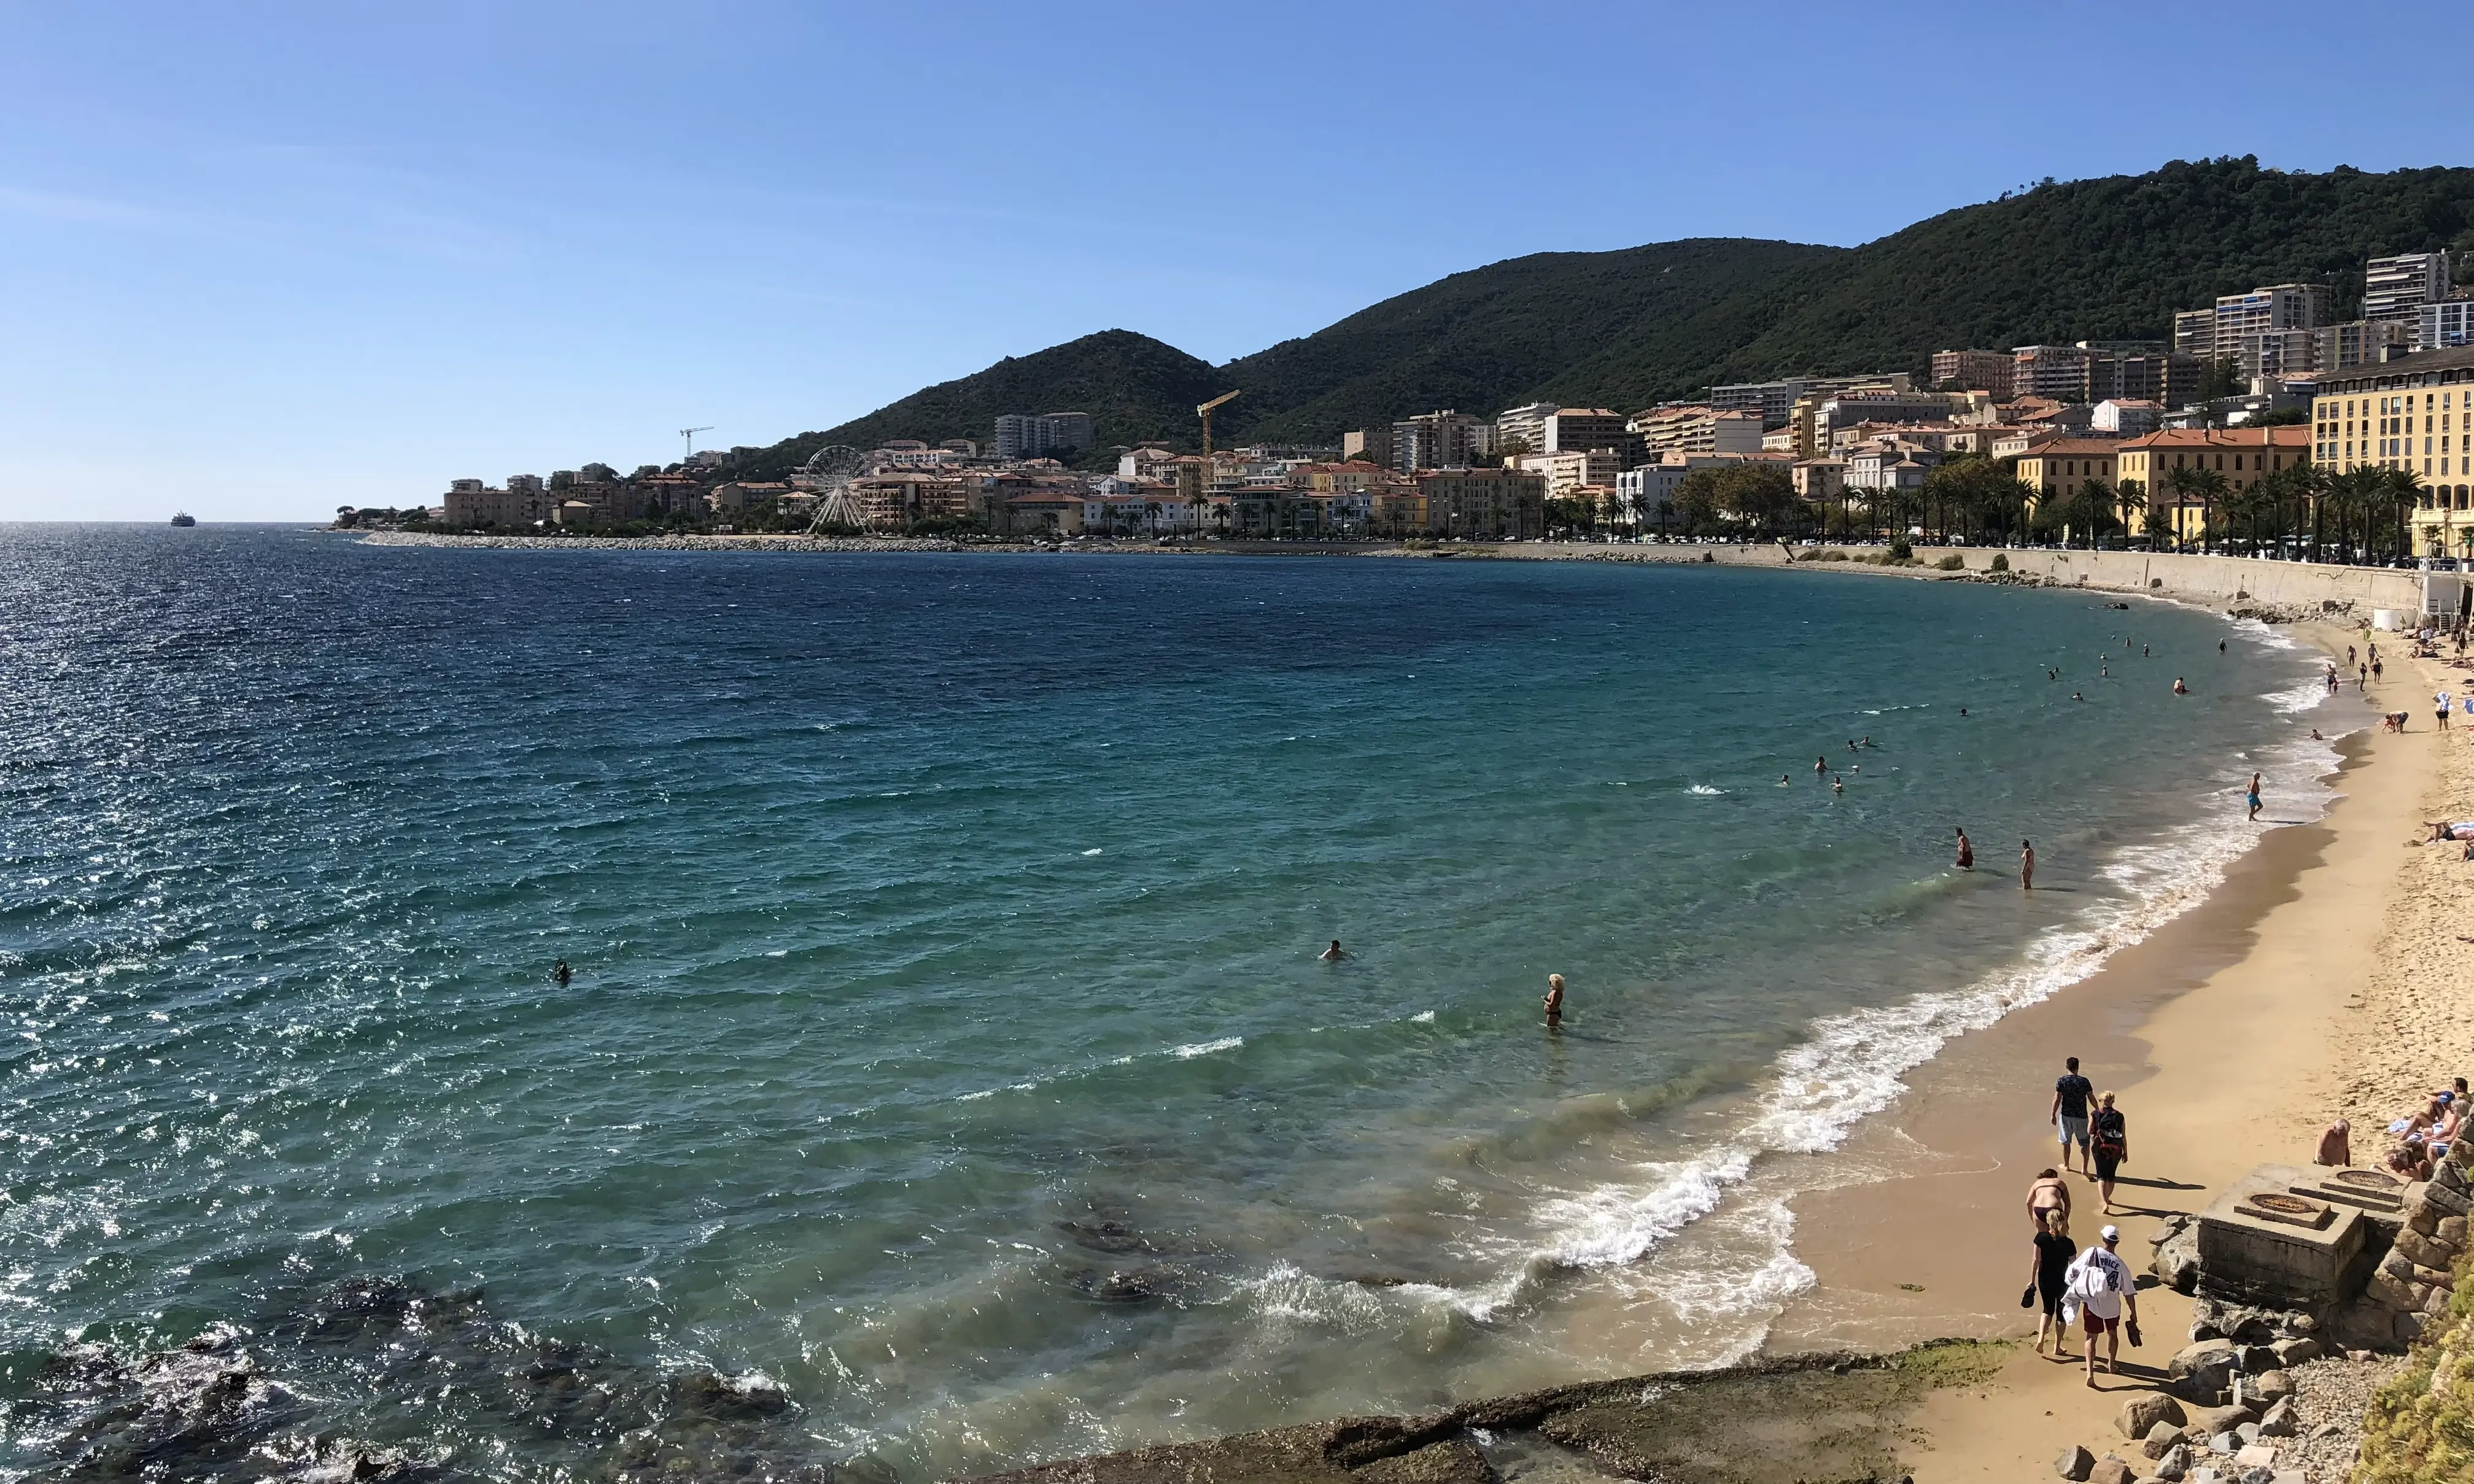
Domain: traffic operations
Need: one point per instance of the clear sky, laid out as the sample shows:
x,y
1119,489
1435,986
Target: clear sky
x,y
260,260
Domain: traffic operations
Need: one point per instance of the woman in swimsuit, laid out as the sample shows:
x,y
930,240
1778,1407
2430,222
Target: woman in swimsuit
x,y
2049,1193
1966,852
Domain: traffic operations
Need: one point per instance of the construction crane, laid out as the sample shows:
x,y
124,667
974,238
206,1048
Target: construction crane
x,y
689,435
1205,413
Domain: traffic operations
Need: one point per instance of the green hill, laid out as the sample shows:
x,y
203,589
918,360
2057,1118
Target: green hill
x,y
2102,259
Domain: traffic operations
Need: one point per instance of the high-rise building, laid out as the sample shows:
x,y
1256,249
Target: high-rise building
x,y
1588,429
2359,343
1976,370
1022,435
2057,372
1775,400
1439,439
2397,286
2195,333
1372,445
2240,318
2443,325
1524,426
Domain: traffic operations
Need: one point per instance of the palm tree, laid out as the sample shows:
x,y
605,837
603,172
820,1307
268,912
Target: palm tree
x,y
2093,506
2401,489
2180,484
2131,497
2210,488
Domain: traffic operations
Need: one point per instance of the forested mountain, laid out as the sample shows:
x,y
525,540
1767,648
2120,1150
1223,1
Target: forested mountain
x,y
2102,259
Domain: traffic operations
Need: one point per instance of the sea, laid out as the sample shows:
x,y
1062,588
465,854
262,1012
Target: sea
x,y
948,1079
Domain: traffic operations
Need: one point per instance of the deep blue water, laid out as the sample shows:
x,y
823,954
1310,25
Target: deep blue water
x,y
947,1041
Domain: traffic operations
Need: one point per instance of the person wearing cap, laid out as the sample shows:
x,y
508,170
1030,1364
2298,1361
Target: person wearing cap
x,y
2101,1284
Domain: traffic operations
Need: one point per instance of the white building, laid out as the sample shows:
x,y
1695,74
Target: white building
x,y
1022,435
2397,286
2445,325
2129,416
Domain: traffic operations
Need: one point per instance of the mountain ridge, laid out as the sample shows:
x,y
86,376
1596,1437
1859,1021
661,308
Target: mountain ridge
x,y
2106,258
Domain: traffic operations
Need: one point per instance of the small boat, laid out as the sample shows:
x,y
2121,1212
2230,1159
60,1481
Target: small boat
x,y
185,518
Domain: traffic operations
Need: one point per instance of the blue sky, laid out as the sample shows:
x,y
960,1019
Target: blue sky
x,y
260,260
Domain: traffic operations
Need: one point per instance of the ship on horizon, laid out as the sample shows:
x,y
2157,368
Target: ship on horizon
x,y
185,518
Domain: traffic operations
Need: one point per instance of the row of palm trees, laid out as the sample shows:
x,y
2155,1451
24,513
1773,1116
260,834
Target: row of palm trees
x,y
2362,515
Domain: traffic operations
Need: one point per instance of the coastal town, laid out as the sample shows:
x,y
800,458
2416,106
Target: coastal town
x,y
2264,423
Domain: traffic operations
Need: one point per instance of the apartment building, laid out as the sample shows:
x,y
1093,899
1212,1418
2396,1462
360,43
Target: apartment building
x,y
2354,343
1439,439
1585,429
1645,493
524,501
2128,416
1523,427
2444,324
1484,504
1371,445
2057,371
1976,370
2244,456
2409,413
2195,333
2396,287
1568,472
1695,428
1774,400
2059,470
1021,435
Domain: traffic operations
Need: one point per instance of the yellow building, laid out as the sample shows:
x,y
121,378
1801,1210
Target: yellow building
x,y
2244,456
2413,413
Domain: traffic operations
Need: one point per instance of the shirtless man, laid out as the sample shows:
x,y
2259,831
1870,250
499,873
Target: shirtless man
x,y
1966,852
1333,954
2026,866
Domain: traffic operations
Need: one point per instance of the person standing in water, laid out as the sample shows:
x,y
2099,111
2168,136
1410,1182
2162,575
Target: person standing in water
x,y
1966,852
2253,799
2026,866
1554,1001
1820,766
2179,688
560,972
1333,954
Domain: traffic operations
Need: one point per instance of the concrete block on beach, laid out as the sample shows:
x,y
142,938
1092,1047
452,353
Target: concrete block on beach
x,y
2274,1257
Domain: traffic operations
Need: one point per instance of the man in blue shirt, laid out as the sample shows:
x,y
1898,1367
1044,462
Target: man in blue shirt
x,y
2070,1116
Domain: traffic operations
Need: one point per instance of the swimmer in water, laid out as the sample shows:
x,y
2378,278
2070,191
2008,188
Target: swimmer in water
x,y
2179,688
1837,785
1554,1000
1820,766
2220,646
1333,954
1966,851
2076,696
1785,781
2026,866
2105,674
2143,651
560,972
2316,736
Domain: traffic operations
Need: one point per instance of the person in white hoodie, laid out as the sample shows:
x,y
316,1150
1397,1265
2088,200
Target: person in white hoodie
x,y
2100,1286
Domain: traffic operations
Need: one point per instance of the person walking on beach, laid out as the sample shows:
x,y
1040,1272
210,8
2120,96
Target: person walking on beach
x,y
2109,1142
2101,1283
2376,666
1554,1001
2069,1114
2361,677
2047,1278
2026,865
1966,852
2253,799
2446,703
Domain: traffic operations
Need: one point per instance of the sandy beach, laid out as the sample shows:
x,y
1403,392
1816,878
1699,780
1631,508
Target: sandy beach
x,y
2322,979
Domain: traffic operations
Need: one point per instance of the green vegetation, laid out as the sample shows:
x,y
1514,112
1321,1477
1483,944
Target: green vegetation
x,y
2105,260
2419,1427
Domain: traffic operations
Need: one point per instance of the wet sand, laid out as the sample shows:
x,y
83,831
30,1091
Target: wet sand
x,y
2314,982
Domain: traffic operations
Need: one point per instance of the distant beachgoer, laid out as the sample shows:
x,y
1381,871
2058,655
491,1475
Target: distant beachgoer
x,y
1554,1000
2109,1140
2047,1194
2361,677
2052,675
1962,710
2069,1114
2026,866
2179,688
2316,736
1820,766
2076,696
2446,703
2335,1145
1838,785
1785,781
560,972
2143,651
2253,799
2349,656
2332,680
2220,646
2101,1284
1868,740
1333,954
2047,1278
1966,852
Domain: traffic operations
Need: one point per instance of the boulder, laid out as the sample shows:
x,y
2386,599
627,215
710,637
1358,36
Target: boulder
x,y
2225,1444
2302,1323
2161,1439
2295,1352
2409,1329
2110,1469
2205,1354
2450,1176
2142,1414
2076,1464
2388,1292
2256,1358
2451,1203
2248,1433
2452,1231
2174,1465
2436,1302
2268,1388
2280,1421
2426,1220
2222,1419
2417,1248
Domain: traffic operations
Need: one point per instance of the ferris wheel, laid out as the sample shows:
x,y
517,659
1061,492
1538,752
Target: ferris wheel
x,y
833,467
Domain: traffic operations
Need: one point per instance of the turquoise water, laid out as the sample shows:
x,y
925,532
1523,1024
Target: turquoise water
x,y
947,1043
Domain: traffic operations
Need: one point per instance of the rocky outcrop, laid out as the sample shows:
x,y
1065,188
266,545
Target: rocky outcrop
x,y
2417,1280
